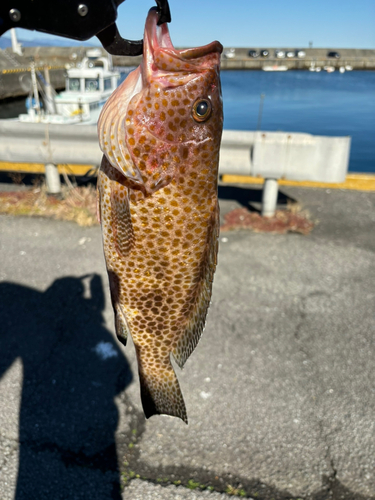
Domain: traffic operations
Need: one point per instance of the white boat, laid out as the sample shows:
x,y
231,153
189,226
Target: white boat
x,y
87,88
329,69
342,69
229,54
314,68
348,67
275,67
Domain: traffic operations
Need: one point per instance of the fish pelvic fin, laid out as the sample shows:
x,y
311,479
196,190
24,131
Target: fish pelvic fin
x,y
203,289
121,325
160,391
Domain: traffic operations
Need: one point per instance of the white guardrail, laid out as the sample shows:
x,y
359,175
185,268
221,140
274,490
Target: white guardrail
x,y
46,143
271,155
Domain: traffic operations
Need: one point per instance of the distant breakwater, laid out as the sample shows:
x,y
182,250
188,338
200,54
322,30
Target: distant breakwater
x,y
15,70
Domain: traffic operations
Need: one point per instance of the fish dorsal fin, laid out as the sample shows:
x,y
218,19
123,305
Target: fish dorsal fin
x,y
194,328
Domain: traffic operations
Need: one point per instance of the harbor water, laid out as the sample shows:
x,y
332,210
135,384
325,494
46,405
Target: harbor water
x,y
334,104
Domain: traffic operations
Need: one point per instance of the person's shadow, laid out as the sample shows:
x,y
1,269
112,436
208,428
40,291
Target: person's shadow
x,y
72,370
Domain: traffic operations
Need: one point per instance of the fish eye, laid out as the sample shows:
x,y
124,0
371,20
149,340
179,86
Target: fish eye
x,y
202,109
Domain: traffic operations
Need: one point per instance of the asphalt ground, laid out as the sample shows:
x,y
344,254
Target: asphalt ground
x,y
280,391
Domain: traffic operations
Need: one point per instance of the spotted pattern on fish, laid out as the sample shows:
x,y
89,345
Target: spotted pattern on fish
x,y
159,213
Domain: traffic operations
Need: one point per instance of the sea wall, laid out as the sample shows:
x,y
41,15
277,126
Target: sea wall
x,y
359,59
15,77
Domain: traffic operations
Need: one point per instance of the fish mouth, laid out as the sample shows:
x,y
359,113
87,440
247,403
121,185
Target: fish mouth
x,y
159,52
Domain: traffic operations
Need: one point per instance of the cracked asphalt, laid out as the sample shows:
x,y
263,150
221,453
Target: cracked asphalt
x,y
280,391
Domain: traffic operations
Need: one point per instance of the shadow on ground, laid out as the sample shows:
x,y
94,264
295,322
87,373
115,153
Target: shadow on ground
x,y
16,181
72,370
247,196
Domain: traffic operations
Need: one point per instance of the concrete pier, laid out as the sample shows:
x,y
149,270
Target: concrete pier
x,y
280,390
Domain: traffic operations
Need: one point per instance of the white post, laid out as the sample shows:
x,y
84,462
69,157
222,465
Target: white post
x,y
16,47
51,106
52,179
269,198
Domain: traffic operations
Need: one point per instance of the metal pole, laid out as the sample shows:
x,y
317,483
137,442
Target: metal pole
x,y
51,106
35,89
52,179
269,197
262,96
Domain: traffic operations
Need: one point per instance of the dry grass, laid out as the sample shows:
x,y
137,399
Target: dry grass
x,y
76,204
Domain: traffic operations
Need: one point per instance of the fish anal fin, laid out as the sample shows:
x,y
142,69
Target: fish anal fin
x,y
122,227
197,318
160,391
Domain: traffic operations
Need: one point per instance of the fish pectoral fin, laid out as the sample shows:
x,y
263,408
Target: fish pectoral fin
x,y
122,227
160,391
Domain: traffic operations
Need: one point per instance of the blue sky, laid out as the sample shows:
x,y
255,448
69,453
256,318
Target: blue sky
x,y
249,23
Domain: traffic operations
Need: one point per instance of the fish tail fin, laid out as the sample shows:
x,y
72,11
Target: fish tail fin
x,y
160,391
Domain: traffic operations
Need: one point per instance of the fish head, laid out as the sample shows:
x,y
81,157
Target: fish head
x,y
167,116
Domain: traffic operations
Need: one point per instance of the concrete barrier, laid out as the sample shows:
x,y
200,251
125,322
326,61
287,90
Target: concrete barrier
x,y
300,157
283,155
271,155
46,143
236,151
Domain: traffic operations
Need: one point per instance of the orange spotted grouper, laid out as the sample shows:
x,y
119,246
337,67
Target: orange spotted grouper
x,y
160,132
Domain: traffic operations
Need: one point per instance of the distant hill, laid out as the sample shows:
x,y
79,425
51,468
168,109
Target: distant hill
x,y
6,42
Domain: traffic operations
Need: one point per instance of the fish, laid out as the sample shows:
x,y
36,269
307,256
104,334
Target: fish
x,y
160,132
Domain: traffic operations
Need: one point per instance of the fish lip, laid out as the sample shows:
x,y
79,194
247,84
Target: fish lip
x,y
157,36
195,52
157,39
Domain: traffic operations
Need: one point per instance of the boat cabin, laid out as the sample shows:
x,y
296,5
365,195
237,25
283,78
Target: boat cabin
x,y
88,86
90,77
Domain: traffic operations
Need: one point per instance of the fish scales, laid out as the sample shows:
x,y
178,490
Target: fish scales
x,y
160,133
